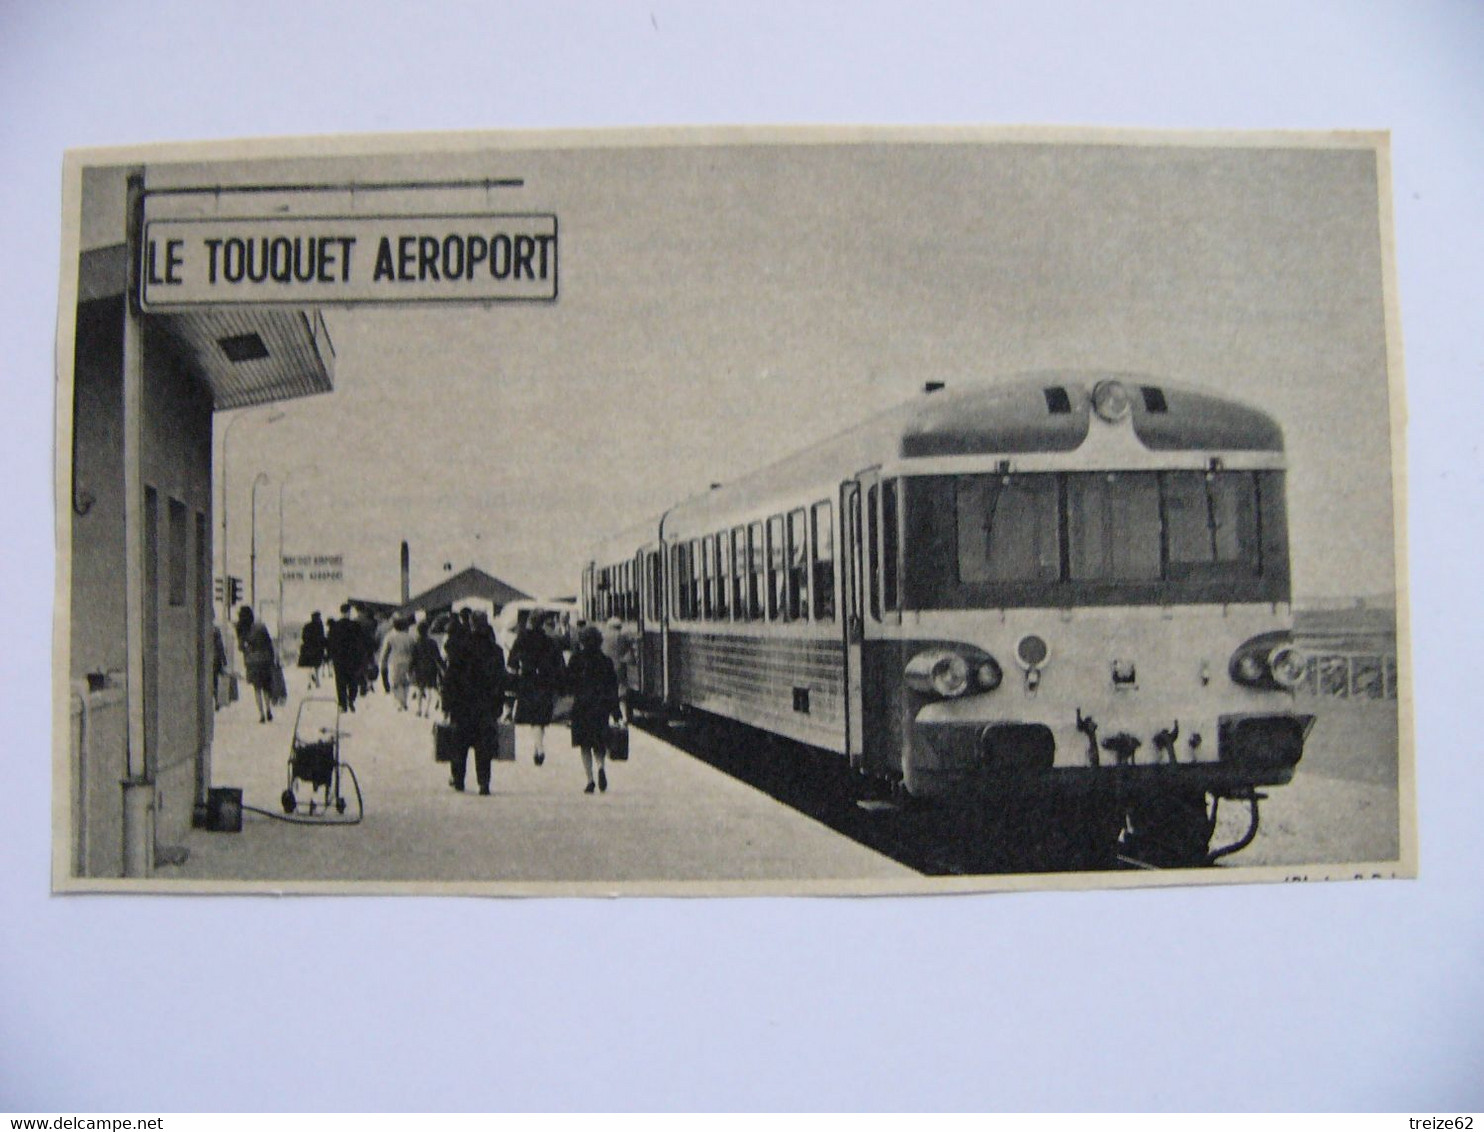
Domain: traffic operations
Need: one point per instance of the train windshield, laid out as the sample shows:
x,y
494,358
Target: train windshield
x,y
1095,538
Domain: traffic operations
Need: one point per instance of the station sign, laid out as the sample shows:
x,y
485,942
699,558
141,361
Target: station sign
x,y
304,261
313,568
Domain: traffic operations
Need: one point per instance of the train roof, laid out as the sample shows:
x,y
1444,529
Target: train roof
x,y
1047,411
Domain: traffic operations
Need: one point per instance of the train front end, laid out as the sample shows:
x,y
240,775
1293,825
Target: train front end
x,y
1095,606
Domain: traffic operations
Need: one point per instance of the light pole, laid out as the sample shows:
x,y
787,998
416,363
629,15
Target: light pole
x,y
252,582
283,483
226,434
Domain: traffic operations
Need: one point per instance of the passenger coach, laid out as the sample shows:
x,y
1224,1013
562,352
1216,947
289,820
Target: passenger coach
x,y
1073,584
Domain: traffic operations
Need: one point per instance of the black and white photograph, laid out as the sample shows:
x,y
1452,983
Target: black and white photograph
x,y
721,511
803,557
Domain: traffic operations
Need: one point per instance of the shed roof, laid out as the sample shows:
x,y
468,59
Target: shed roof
x,y
467,583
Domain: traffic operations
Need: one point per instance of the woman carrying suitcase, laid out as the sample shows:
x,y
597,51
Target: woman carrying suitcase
x,y
593,684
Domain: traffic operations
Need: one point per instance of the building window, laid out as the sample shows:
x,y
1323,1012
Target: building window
x,y
180,553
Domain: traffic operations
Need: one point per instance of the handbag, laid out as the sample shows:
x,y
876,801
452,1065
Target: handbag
x,y
502,741
278,691
445,742
617,742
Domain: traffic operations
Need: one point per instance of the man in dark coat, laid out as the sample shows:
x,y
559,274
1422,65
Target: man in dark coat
x,y
312,647
346,647
473,692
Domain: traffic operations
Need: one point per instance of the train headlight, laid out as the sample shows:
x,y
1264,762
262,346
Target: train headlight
x,y
949,675
988,674
1268,661
1110,401
951,672
1250,669
1286,664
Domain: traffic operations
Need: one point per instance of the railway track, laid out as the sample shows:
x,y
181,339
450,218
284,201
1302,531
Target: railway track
x,y
934,840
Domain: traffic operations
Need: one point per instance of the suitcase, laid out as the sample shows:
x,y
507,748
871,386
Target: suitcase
x,y
504,744
445,742
618,743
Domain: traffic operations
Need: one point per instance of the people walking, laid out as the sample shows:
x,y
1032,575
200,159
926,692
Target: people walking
x,y
537,662
257,660
396,659
427,667
346,645
474,679
618,647
365,621
220,682
312,647
594,688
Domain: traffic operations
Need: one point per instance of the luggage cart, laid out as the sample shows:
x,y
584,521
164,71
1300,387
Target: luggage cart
x,y
314,760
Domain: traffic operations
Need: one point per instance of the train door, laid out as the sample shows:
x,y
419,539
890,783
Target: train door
x,y
852,578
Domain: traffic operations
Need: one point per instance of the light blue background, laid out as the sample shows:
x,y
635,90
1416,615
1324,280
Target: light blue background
x,y
1349,996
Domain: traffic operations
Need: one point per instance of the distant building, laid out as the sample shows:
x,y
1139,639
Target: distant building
x,y
468,585
380,610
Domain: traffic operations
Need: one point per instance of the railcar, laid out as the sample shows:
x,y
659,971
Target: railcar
x,y
1070,585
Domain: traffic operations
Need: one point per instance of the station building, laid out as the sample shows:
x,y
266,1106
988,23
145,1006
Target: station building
x,y
469,586
138,643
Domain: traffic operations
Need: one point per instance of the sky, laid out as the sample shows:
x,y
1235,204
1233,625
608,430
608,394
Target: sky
x,y
724,305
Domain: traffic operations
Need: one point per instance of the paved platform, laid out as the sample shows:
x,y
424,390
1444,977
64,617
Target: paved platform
x,y
665,818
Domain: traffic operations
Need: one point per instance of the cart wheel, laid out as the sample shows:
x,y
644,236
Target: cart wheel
x,y
340,805
289,801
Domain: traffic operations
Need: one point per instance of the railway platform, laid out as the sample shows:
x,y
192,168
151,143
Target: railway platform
x,y
666,817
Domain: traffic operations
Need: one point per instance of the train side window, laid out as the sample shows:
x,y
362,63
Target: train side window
x,y
777,573
798,565
680,580
873,552
653,580
697,551
755,577
824,562
703,577
723,575
739,573
890,544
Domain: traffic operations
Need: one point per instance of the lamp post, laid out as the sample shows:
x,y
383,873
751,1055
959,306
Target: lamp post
x,y
226,435
283,483
252,581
